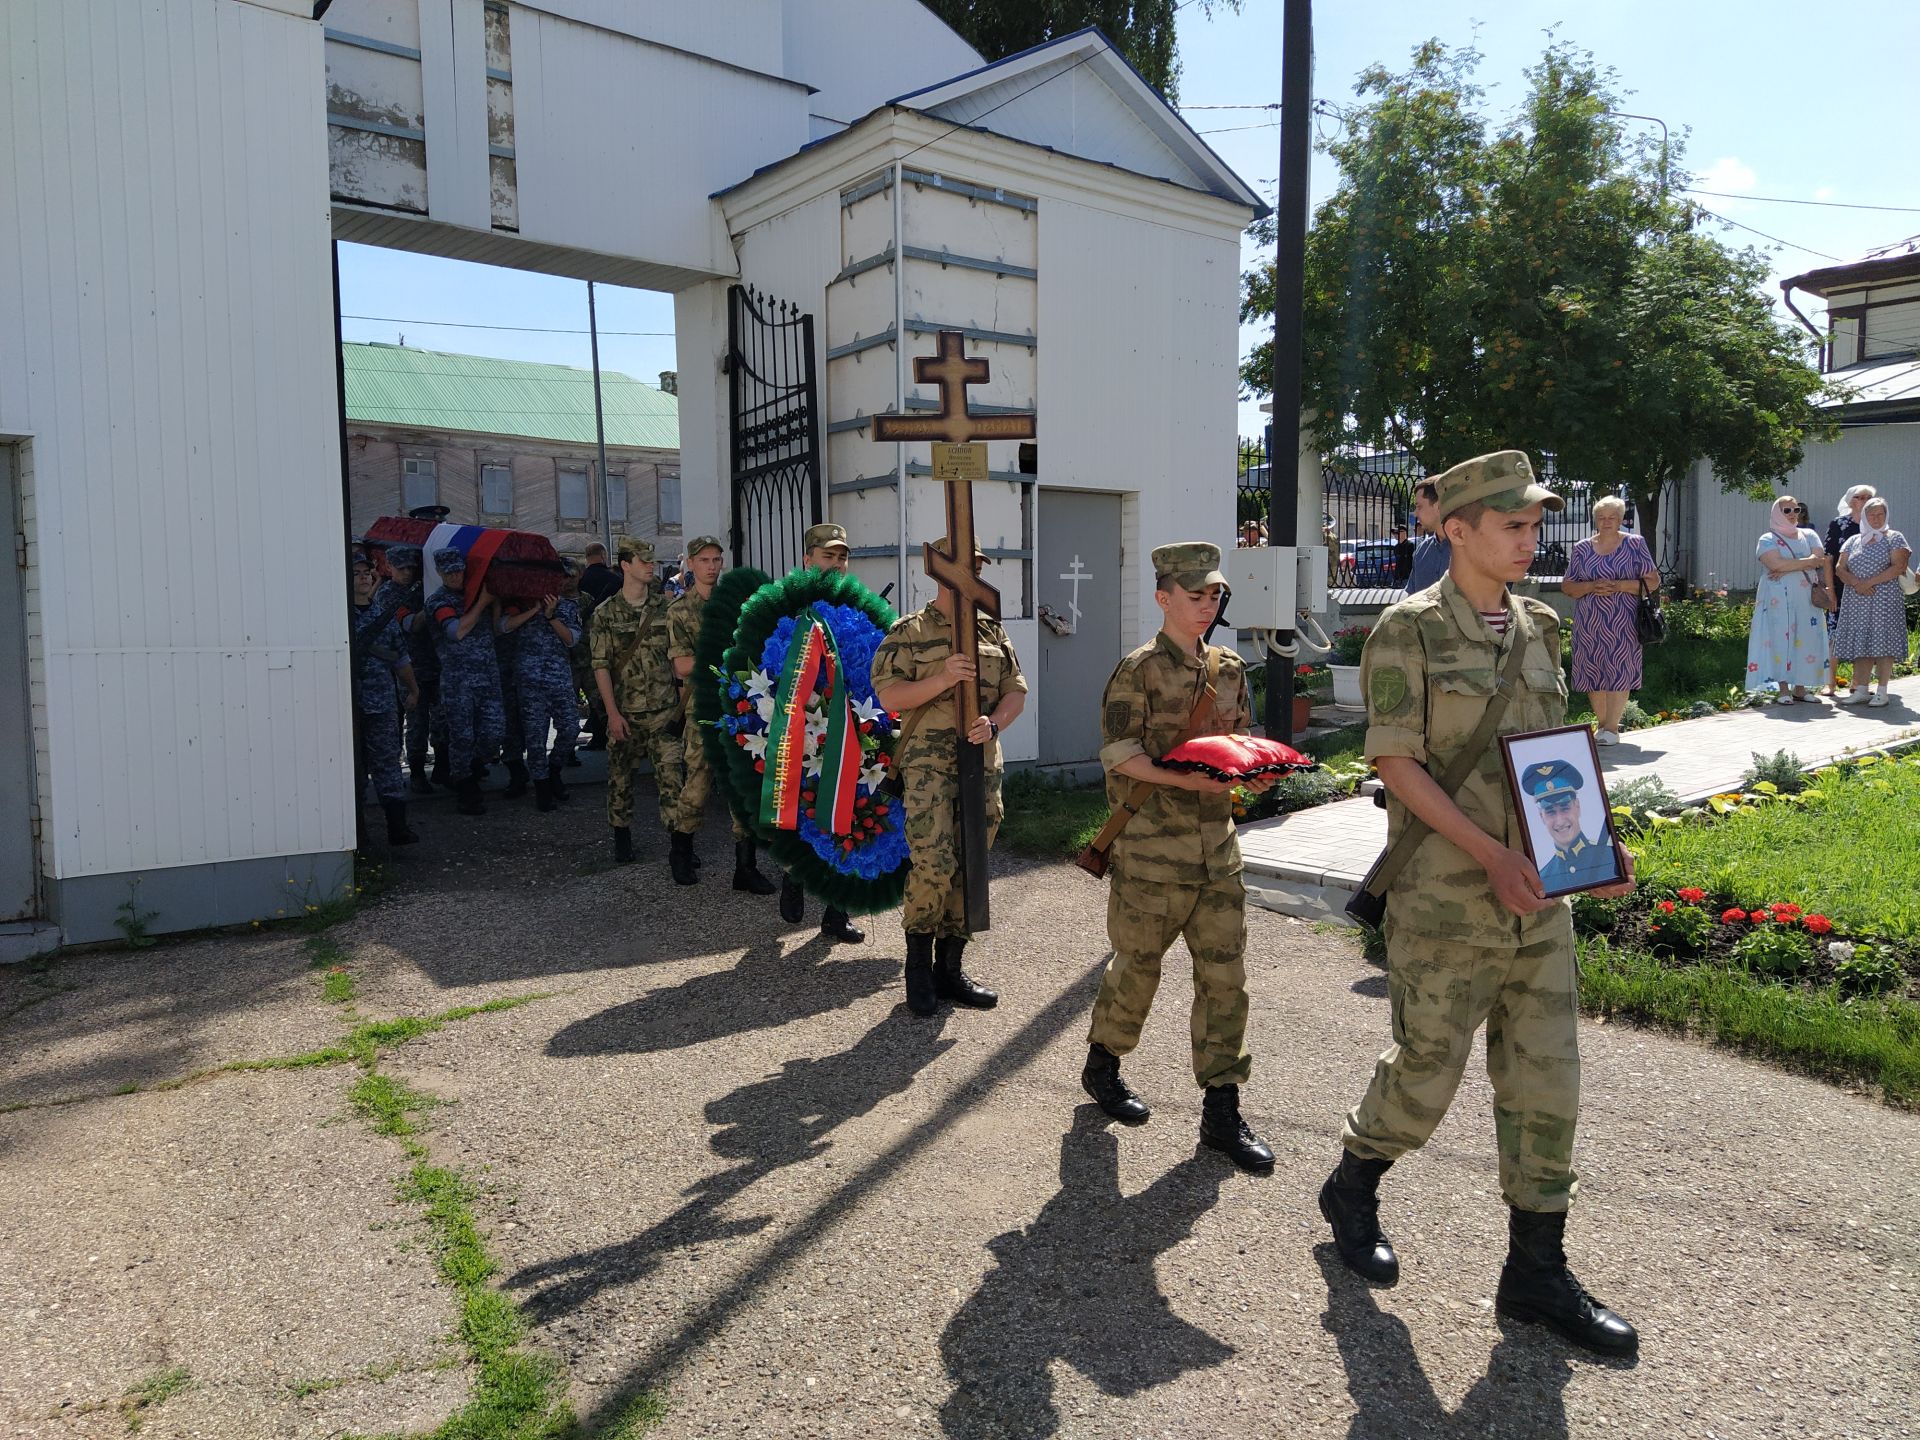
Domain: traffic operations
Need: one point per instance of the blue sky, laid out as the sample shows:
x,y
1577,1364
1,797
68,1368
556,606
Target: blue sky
x,y
1772,108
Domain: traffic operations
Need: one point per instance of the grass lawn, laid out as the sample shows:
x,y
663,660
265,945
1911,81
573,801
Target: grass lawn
x,y
1049,821
1676,673
1844,854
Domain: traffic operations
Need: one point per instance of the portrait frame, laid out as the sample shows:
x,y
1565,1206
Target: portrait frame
x,y
1538,752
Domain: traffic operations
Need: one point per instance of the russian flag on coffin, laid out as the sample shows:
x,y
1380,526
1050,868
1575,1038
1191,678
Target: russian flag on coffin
x,y
514,564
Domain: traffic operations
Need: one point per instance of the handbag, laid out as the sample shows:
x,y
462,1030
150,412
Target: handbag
x,y
1823,597
1648,623
1369,902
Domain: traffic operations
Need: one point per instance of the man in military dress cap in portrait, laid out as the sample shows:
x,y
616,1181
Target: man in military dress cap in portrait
x,y
1554,787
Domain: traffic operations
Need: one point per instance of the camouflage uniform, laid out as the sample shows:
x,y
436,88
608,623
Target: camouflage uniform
x,y
915,649
630,642
683,636
1455,955
543,681
1176,867
469,675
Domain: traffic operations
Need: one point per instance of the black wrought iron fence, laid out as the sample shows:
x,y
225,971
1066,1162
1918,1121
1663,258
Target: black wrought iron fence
x,y
1365,498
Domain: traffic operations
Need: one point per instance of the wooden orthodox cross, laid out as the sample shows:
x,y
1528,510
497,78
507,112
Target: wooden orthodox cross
x,y
960,458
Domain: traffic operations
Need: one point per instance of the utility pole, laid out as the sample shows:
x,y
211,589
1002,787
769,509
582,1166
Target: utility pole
x,y
1289,284
600,428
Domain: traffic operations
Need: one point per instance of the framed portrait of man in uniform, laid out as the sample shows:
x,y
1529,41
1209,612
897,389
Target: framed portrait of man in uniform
x,y
1558,790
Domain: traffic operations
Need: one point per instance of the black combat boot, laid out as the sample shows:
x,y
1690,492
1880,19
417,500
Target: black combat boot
x,y
746,874
469,801
1222,1129
623,844
555,783
1535,1284
597,741
1350,1201
921,999
438,775
793,900
835,925
516,780
398,831
543,794
1101,1079
419,783
950,982
680,859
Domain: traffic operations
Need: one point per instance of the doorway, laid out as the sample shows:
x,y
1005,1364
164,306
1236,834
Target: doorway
x,y
1077,588
16,717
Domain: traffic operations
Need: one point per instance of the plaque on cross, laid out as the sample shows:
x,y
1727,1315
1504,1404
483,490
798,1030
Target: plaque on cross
x,y
960,458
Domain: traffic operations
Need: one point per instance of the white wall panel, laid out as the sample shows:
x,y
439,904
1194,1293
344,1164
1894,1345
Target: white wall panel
x,y
741,32
164,256
832,46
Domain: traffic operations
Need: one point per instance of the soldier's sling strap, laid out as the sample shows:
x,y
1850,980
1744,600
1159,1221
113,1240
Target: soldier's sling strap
x,y
1395,857
1094,858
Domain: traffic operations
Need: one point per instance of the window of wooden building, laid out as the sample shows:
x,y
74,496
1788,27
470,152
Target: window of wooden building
x,y
574,494
496,489
419,483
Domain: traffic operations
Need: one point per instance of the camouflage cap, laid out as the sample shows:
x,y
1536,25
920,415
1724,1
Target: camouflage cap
x,y
447,558
819,537
704,542
407,555
1192,564
632,549
358,557
1504,480
945,546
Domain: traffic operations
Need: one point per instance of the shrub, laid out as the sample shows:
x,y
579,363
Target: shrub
x,y
1781,769
1633,717
1593,915
1781,951
1640,798
1870,970
1347,645
1676,929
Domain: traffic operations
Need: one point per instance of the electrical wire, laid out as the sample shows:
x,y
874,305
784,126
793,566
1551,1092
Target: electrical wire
x,y
1824,204
525,329
1716,215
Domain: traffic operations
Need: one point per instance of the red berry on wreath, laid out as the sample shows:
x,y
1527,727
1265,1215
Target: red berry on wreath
x,y
742,707
759,767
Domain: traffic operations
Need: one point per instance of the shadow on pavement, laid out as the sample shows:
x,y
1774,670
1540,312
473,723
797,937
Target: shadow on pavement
x,y
1521,1397
766,989
1078,1285
780,1120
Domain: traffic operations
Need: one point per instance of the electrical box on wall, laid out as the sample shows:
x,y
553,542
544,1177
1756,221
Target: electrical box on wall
x,y
1272,583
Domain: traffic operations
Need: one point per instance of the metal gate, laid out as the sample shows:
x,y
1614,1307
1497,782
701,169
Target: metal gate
x,y
774,429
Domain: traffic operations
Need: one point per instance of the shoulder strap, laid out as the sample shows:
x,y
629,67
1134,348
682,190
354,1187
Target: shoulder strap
x,y
1401,851
1137,793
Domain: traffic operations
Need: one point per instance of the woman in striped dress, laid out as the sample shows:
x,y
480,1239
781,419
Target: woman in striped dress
x,y
1872,632
1604,576
1787,645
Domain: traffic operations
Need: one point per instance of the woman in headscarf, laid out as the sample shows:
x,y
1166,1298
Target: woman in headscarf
x,y
1787,646
1842,528
1872,632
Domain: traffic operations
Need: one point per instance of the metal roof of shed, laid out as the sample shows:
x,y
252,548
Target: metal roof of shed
x,y
433,390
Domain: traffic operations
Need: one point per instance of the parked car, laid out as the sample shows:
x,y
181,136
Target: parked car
x,y
1367,564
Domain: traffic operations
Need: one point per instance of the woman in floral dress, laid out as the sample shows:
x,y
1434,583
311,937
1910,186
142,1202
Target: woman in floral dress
x,y
1604,575
1787,645
1872,632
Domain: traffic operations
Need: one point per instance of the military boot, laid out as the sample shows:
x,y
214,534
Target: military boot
x,y
398,831
469,801
543,794
835,925
623,844
516,780
419,783
1222,1129
1350,1201
438,775
1535,1284
950,982
793,900
680,859
555,784
746,874
1101,1079
921,999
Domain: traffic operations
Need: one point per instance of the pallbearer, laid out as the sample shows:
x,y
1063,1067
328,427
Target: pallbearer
x,y
917,673
1176,863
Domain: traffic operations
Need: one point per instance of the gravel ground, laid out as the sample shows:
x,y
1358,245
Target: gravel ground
x,y
722,1159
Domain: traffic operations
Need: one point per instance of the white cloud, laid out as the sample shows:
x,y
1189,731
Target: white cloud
x,y
1728,174
1824,192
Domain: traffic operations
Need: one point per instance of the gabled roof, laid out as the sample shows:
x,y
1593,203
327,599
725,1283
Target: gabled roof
x,y
1080,95
432,390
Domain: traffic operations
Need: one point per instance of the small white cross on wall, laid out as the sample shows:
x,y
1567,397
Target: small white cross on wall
x,y
1078,573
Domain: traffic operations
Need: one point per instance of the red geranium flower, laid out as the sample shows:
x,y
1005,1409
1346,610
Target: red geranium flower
x,y
1819,925
1759,917
1666,907
1732,916
1782,907
1693,895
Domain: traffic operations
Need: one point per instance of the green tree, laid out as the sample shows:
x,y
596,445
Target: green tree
x,y
1535,285
1142,30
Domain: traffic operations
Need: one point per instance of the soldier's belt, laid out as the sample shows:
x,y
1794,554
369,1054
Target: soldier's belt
x,y
1094,859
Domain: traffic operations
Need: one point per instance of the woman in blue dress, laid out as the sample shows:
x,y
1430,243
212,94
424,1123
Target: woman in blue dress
x,y
1872,632
1787,645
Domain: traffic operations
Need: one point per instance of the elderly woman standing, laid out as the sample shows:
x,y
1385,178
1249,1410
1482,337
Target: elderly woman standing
x,y
1787,645
1604,576
1842,528
1873,622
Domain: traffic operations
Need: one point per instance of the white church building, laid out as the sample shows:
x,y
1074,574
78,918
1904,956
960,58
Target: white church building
x,y
823,185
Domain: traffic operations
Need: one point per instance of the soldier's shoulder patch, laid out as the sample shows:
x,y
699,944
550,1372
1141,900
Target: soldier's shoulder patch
x,y
1119,716
1388,690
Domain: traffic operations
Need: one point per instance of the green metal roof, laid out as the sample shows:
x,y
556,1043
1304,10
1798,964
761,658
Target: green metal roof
x,y
430,390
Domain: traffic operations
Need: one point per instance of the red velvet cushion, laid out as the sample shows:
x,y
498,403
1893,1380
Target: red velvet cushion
x,y
1235,757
